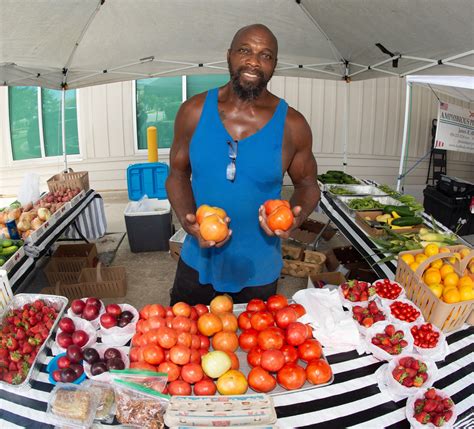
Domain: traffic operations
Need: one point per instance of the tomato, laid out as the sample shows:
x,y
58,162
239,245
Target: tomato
x,y
179,387
300,311
205,342
229,322
201,309
171,369
156,322
318,371
261,320
192,373
271,205
151,337
156,310
194,314
272,360
221,304
180,355
261,380
254,356
248,339
276,302
310,350
209,324
153,354
169,312
195,356
244,320
169,321
280,219
309,332
233,382
142,365
181,309
213,228
291,376
145,312
134,354
185,339
234,359
205,388
167,337
136,340
227,341
290,353
296,334
269,339
181,323
205,210
256,304
285,316
195,342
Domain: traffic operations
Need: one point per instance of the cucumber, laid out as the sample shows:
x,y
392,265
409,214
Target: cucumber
x,y
7,243
2,261
7,251
407,221
403,211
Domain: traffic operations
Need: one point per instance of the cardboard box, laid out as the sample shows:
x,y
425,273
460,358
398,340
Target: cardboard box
x,y
332,263
309,231
322,279
176,243
361,271
361,217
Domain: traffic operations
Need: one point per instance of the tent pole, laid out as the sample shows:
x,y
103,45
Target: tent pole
x,y
405,134
63,126
345,126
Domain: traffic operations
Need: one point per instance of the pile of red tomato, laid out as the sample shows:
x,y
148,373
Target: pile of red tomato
x,y
266,334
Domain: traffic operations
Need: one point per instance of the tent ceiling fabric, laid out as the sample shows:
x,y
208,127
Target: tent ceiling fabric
x,y
121,40
460,87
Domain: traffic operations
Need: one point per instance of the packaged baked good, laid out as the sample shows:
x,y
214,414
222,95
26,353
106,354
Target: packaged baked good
x,y
139,405
72,405
106,400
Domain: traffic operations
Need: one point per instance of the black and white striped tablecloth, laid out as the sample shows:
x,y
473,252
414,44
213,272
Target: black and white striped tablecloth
x,y
352,400
360,239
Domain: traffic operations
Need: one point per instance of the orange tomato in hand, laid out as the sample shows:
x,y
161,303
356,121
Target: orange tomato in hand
x,y
272,205
206,210
213,228
281,218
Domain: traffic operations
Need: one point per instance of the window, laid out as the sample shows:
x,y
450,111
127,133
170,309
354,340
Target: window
x,y
158,101
25,105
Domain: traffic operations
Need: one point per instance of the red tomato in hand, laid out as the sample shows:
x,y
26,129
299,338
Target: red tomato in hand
x,y
272,360
318,371
272,205
280,219
261,380
256,304
310,350
291,376
276,302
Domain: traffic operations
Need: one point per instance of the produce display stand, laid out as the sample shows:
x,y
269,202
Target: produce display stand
x,y
33,250
361,240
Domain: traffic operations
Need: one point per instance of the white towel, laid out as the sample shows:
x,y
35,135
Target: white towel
x,y
332,327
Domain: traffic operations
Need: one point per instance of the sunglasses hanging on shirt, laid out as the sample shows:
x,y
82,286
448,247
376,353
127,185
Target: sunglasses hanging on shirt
x,y
231,168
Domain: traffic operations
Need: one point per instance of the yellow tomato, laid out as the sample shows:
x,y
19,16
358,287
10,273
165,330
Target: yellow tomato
x,y
452,296
432,277
408,258
451,279
437,264
431,249
437,289
421,258
445,270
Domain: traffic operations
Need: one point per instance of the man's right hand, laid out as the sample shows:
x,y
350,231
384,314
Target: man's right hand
x,y
191,226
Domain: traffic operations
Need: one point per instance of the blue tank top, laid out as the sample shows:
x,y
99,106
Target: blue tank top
x,y
250,257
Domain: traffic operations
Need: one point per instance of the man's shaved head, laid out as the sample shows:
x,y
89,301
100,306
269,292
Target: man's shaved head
x,y
255,28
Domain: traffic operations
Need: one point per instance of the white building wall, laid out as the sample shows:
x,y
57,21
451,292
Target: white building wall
x,y
376,109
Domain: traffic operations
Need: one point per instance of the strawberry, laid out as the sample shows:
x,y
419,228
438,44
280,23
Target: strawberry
x,y
408,382
376,341
27,348
399,374
368,322
403,343
390,330
405,361
12,366
423,367
423,376
415,364
419,404
439,421
15,356
447,403
430,394
418,381
357,309
430,405
411,372
422,417
447,415
439,408
396,350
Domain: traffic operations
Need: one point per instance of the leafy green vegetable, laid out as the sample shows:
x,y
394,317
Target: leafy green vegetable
x,y
366,203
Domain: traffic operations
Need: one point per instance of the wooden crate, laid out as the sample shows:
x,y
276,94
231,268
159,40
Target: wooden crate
x,y
447,317
361,217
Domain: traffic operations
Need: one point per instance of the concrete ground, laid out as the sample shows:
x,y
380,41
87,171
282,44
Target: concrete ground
x,y
150,274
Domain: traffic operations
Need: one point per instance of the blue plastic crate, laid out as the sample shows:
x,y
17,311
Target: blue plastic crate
x,y
147,179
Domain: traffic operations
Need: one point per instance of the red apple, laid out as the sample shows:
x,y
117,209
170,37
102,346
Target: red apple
x,y
93,301
57,375
77,306
64,340
108,321
113,309
64,362
67,325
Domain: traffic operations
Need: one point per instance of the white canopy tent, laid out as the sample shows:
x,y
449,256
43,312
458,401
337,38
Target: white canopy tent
x,y
459,87
66,44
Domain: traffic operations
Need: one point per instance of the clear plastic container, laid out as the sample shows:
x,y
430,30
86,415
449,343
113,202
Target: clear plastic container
x,y
106,400
72,405
153,380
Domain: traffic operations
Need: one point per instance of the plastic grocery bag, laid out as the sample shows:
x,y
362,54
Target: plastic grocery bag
x,y
106,377
379,328
80,325
29,189
439,352
120,336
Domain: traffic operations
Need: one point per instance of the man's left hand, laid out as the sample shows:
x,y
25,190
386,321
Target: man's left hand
x,y
262,217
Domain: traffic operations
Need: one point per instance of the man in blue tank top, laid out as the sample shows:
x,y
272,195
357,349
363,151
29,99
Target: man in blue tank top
x,y
232,147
